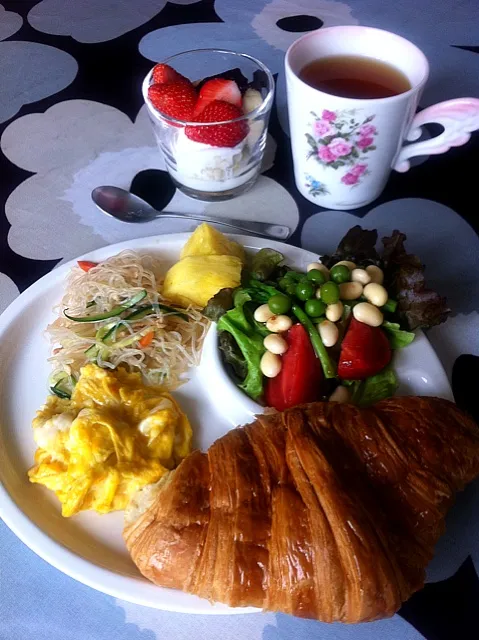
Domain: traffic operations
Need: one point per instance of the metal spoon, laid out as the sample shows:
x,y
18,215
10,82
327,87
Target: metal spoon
x,y
127,207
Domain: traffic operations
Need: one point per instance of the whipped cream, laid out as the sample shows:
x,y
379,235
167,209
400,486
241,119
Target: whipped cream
x,y
208,168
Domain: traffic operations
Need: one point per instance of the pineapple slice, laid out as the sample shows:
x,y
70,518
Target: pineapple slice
x,y
196,279
207,241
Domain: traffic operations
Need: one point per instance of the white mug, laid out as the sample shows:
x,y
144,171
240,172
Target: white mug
x,y
345,148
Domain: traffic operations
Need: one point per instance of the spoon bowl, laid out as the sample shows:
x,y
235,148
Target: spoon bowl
x,y
123,205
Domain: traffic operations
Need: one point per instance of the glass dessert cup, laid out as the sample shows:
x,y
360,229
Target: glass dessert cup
x,y
210,172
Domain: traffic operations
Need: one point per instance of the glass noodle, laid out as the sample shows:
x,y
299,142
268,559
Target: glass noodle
x,y
176,344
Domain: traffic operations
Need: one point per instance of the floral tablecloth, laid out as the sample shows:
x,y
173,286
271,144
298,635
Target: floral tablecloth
x,y
71,118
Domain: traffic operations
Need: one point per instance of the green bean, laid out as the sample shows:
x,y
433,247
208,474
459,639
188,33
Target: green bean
x,y
390,306
329,368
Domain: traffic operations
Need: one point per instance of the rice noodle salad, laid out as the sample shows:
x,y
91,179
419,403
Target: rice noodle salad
x,y
113,314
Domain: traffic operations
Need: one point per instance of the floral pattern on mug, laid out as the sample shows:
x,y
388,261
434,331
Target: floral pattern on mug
x,y
340,140
316,188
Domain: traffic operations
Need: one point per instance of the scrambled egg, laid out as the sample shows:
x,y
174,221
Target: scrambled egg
x,y
113,437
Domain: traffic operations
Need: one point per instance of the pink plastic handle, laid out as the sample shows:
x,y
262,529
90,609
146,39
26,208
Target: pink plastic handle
x,y
459,118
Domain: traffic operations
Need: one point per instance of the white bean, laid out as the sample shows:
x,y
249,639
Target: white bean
x,y
334,312
376,294
329,333
360,275
350,290
340,394
275,344
279,324
368,314
320,267
270,364
347,263
376,274
263,313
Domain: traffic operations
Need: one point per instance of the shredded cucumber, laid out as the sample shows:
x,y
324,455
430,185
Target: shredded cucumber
x,y
61,384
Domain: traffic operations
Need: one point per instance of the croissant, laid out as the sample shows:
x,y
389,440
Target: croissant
x,y
324,511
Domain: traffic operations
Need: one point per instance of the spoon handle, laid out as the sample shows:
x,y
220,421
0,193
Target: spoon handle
x,y
266,229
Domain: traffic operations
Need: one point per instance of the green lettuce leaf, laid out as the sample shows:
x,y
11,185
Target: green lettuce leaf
x,y
259,291
232,356
264,263
244,356
367,392
251,346
219,304
243,313
398,338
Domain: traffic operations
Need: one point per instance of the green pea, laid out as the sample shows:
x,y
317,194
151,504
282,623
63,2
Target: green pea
x,y
340,273
279,304
305,290
329,292
283,284
291,289
316,276
315,308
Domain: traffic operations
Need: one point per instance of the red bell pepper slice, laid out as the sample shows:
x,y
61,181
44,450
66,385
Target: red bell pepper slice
x,y
365,351
86,265
301,374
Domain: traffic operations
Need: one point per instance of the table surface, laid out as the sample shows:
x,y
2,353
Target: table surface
x,y
71,118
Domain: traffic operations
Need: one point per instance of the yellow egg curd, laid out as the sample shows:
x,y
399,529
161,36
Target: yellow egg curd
x,y
113,437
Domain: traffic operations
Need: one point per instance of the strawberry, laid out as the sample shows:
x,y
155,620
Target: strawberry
x,y
164,74
176,99
220,135
218,89
365,351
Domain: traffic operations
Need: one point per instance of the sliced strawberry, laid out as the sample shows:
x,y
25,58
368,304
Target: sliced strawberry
x,y
164,74
221,135
176,99
365,351
218,89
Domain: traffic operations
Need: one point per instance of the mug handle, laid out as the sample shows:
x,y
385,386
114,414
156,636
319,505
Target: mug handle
x,y
459,117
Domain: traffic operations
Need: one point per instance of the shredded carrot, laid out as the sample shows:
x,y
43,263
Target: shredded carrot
x,y
86,265
146,340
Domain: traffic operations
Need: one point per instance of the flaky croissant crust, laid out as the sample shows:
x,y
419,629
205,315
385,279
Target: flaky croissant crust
x,y
324,511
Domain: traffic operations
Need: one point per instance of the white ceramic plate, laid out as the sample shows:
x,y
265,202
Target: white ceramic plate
x,y
89,547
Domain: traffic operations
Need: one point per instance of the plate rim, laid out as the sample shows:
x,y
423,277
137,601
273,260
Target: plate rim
x,y
54,552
